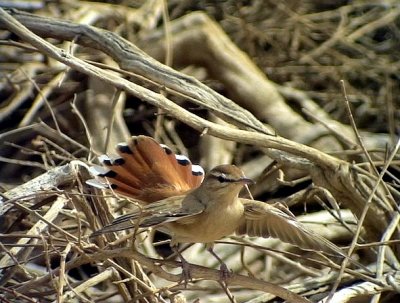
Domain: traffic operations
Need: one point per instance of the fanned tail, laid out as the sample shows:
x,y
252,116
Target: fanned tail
x,y
147,171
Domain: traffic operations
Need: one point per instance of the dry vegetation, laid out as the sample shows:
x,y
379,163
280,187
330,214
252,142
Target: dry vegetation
x,y
318,134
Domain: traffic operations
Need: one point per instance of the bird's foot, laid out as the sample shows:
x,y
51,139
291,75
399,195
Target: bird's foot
x,y
186,276
224,272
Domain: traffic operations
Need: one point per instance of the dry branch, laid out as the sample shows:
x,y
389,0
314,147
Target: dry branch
x,y
339,177
80,210
132,58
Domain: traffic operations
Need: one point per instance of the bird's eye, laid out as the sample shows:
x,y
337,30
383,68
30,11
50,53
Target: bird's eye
x,y
222,178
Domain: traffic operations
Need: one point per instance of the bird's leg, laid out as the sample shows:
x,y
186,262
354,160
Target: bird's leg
x,y
225,271
186,276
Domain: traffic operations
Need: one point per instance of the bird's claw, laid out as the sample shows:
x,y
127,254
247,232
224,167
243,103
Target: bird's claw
x,y
225,272
186,276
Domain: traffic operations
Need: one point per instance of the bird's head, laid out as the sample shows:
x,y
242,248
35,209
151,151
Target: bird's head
x,y
226,179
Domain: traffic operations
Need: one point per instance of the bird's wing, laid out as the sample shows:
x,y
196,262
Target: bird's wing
x,y
147,171
264,220
153,214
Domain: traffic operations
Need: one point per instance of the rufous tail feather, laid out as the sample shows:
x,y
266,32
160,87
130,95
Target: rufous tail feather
x,y
147,171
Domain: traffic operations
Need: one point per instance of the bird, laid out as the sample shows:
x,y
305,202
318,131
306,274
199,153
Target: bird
x,y
177,197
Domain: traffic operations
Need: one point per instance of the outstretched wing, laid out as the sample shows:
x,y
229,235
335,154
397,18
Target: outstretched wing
x,y
264,220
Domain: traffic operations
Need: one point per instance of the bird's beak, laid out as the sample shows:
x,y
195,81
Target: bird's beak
x,y
245,180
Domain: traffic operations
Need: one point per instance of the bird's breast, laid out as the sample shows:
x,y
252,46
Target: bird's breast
x,y
215,222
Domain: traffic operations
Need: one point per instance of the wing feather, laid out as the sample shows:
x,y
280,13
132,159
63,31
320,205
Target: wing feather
x,y
153,214
264,220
